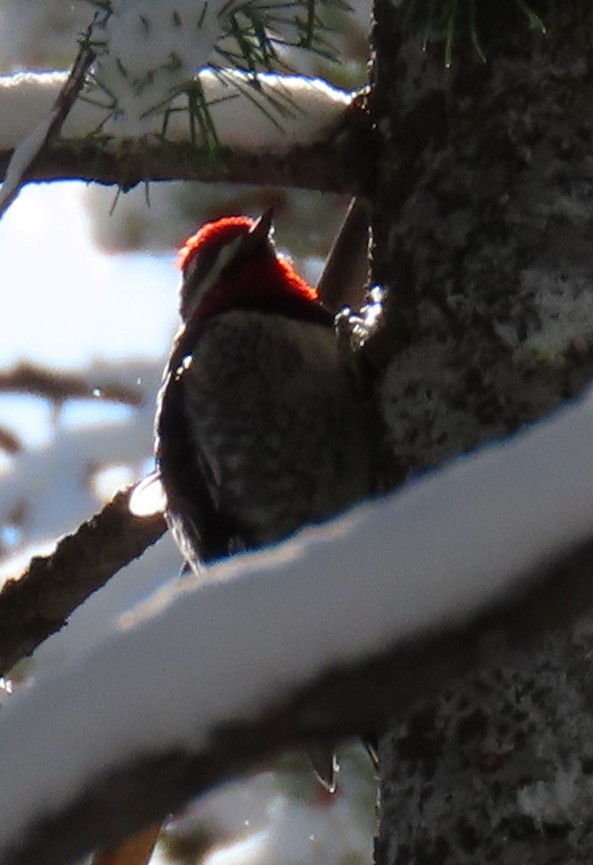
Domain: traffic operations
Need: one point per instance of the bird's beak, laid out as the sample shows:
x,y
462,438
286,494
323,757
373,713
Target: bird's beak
x,y
260,230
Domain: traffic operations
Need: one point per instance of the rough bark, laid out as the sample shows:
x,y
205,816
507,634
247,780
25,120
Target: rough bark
x,y
499,770
482,233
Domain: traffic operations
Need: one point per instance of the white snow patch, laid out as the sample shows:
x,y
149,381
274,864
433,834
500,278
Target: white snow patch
x,y
310,108
152,48
195,657
22,157
25,99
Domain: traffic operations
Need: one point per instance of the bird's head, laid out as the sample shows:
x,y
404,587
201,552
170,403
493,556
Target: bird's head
x,y
232,263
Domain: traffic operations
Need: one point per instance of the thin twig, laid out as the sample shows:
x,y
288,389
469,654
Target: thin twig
x,y
9,442
49,128
59,387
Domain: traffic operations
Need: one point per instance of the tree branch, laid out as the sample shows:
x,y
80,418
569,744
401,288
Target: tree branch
x,y
38,603
17,171
322,142
9,441
347,700
59,387
332,166
477,573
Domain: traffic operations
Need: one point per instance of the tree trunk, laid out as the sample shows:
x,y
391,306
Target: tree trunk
x,y
482,232
499,770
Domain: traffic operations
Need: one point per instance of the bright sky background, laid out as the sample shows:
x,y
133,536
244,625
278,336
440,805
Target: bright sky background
x,y
65,303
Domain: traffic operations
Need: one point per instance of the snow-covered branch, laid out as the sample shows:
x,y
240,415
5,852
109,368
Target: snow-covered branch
x,y
335,631
38,603
292,131
48,128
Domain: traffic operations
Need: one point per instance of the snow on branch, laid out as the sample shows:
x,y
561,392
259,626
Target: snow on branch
x,y
149,51
289,131
48,127
39,602
333,632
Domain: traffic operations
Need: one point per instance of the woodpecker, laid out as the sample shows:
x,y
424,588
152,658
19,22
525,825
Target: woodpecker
x,y
261,424
260,428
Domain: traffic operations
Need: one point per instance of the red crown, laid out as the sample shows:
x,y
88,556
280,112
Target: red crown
x,y
221,230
